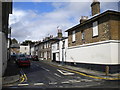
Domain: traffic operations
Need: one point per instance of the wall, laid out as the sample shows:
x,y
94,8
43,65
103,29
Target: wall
x,y
15,50
105,52
60,53
3,53
63,51
55,50
23,51
32,51
0,45
115,27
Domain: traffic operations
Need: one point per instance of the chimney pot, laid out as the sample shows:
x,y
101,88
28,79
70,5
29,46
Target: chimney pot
x,y
59,33
83,18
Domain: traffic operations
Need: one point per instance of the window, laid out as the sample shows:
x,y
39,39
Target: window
x,y
83,35
25,48
95,28
63,44
73,36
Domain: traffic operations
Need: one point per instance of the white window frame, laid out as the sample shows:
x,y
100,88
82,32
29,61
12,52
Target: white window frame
x,y
95,28
73,36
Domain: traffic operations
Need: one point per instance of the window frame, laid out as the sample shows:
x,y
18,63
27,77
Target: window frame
x,y
73,36
95,29
83,35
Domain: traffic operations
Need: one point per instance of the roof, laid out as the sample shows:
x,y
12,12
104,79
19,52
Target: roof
x,y
93,18
16,45
52,39
60,39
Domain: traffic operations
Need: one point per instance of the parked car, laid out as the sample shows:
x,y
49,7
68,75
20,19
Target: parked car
x,y
22,60
35,58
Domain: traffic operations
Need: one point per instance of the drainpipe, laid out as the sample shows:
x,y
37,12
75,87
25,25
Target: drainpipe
x,y
9,46
62,55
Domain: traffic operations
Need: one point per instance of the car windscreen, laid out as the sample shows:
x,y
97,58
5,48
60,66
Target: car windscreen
x,y
23,58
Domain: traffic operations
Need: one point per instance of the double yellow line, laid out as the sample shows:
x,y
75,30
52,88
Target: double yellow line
x,y
90,76
23,77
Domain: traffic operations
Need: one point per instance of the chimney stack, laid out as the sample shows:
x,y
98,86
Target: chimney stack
x,y
59,33
95,6
83,18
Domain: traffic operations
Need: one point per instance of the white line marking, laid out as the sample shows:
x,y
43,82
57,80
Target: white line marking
x,y
65,82
38,84
57,74
65,72
53,83
74,81
86,80
37,65
23,84
45,69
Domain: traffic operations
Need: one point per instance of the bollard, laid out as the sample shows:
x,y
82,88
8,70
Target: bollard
x,y
107,70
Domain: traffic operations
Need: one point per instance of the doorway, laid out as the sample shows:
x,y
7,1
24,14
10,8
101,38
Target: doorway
x,y
54,56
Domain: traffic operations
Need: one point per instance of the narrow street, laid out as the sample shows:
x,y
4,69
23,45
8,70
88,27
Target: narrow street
x,y
42,75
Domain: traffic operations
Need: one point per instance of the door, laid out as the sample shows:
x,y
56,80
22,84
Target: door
x,y
54,56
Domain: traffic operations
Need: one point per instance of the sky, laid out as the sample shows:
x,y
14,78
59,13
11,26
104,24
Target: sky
x,y
36,20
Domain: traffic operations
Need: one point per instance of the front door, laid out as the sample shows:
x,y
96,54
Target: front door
x,y
54,56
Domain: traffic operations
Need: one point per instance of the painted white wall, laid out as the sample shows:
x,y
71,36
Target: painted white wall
x,y
105,52
45,55
32,50
55,50
60,53
60,50
23,50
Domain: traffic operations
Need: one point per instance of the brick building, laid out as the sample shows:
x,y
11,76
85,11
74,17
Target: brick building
x,y
94,42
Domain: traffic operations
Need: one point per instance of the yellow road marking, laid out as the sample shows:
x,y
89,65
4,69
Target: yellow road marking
x,y
95,77
23,78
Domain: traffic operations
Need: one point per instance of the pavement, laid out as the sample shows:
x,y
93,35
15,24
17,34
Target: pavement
x,y
87,72
11,73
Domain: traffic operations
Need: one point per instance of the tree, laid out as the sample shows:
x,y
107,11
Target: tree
x,y
28,42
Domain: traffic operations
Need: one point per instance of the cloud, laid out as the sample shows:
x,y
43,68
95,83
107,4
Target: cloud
x,y
32,25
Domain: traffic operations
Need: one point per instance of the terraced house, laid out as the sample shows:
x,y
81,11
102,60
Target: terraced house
x,y
94,42
44,48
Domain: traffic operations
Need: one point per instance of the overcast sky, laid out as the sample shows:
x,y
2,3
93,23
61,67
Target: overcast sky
x,y
36,20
